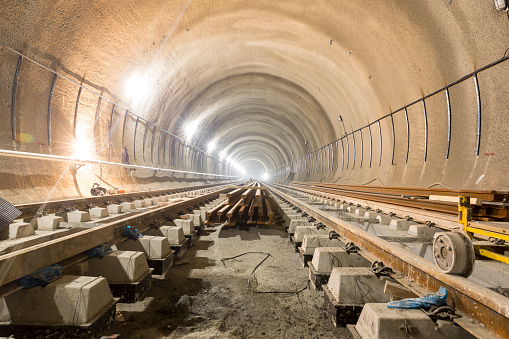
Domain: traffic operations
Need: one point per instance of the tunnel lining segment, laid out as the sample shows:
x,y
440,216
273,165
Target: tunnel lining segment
x,y
281,170
76,110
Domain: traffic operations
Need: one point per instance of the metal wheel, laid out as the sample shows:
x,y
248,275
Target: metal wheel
x,y
454,253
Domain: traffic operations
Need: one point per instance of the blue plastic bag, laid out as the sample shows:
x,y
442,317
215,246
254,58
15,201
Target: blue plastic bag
x,y
132,232
434,299
100,251
41,277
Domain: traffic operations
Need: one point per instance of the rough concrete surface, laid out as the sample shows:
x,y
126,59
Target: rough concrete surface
x,y
201,298
266,80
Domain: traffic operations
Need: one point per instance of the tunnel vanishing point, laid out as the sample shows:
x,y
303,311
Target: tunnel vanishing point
x,y
153,94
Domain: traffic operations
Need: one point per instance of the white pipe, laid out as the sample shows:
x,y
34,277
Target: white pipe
x,y
39,156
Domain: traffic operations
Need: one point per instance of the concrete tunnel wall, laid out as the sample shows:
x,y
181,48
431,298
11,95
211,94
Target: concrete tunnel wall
x,y
266,80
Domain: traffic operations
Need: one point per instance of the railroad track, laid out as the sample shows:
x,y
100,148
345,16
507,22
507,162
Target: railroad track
x,y
247,204
25,255
37,209
487,206
484,313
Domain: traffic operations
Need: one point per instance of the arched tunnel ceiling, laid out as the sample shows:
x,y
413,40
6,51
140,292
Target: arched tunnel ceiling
x,y
266,80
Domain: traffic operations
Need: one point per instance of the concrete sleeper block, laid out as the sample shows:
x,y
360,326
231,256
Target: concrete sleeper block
x,y
140,204
310,242
174,234
69,300
119,266
301,231
356,285
20,230
78,216
400,224
153,247
187,225
326,258
49,222
379,321
98,212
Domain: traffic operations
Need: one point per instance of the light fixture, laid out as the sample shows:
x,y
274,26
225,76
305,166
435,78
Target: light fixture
x,y
211,146
137,87
191,128
82,149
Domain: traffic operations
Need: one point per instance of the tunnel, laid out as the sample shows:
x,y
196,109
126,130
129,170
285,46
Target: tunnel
x,y
355,93
153,96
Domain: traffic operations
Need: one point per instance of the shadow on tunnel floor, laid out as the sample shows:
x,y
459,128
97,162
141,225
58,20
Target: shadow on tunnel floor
x,y
250,232
166,306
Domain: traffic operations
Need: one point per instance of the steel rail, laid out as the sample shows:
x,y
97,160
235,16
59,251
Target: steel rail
x,y
473,302
443,207
441,220
55,206
479,212
485,195
32,258
39,156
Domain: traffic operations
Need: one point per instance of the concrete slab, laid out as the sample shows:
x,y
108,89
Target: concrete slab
x,y
128,206
300,221
114,209
370,216
187,225
384,219
312,241
119,266
49,222
356,285
293,216
326,258
301,231
379,321
174,234
196,218
421,230
400,224
153,247
20,230
78,216
98,212
139,203
69,300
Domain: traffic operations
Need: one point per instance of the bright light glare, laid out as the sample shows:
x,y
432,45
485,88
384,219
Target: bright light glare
x,y
229,159
191,129
240,169
211,146
265,176
222,154
82,150
137,87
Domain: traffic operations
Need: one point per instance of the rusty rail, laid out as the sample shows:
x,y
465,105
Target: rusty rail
x,y
484,312
492,206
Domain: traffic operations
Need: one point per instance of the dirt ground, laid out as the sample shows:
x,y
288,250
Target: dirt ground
x,y
202,297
